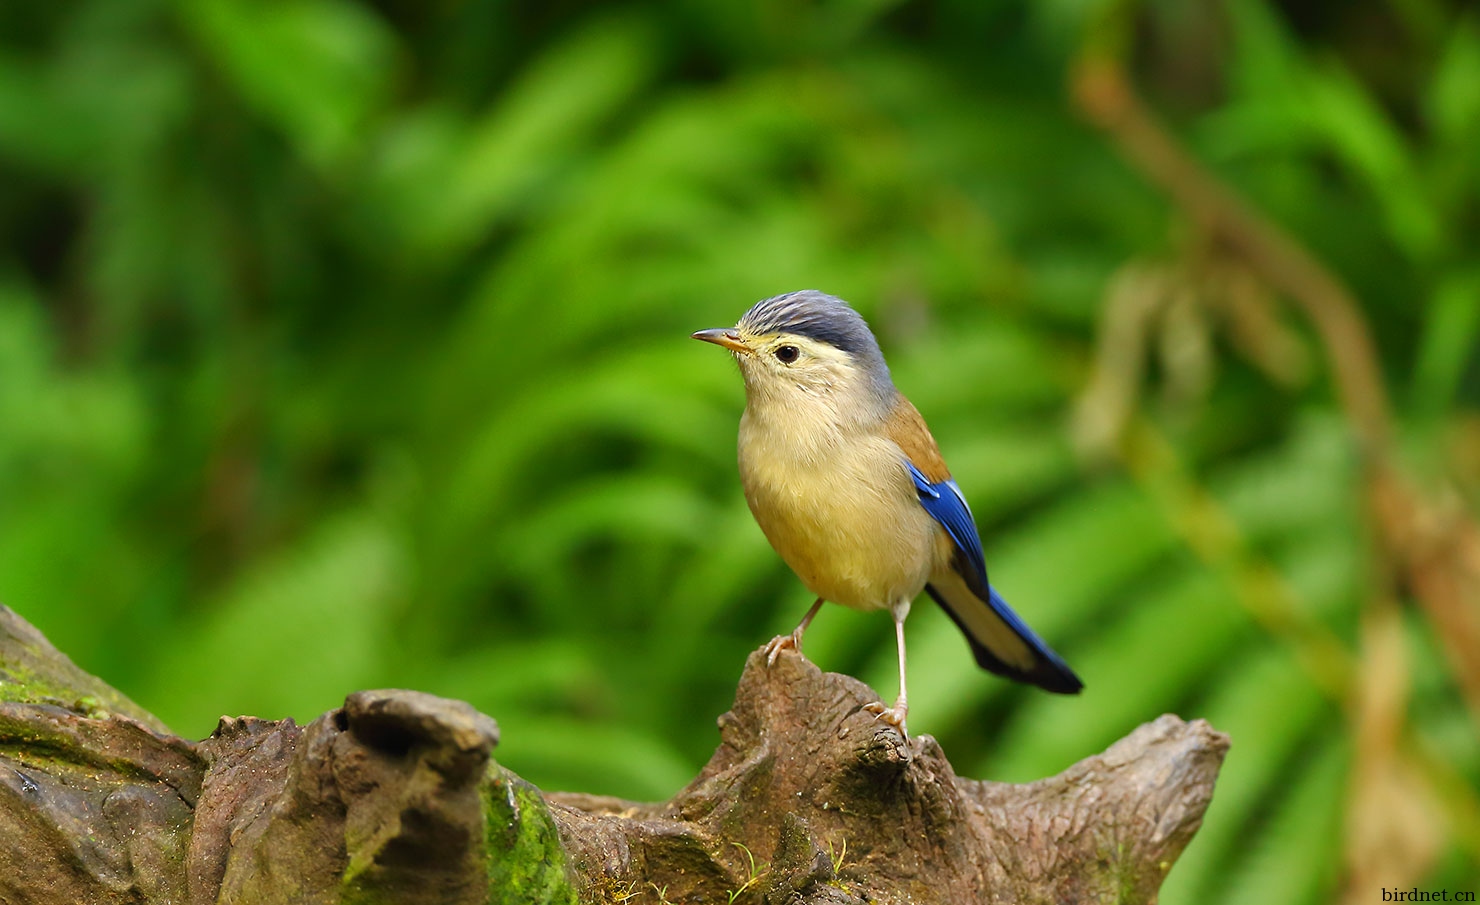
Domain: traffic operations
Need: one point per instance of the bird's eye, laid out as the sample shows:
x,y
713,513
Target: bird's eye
x,y
787,354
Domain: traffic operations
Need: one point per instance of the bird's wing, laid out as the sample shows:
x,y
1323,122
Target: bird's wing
x,y
1000,640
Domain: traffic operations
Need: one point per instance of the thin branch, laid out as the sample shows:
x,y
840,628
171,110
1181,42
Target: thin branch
x,y
1104,94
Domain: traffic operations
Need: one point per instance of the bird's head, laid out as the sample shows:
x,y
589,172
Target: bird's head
x,y
806,345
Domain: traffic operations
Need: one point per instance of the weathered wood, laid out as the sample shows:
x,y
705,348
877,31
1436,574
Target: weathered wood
x,y
839,808
394,797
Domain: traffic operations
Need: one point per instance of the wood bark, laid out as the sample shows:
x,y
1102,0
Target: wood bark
x,y
395,797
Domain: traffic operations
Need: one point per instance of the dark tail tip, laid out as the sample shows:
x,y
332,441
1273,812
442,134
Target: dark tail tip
x,y
1049,670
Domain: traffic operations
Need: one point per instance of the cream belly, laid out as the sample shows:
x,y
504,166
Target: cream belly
x,y
848,523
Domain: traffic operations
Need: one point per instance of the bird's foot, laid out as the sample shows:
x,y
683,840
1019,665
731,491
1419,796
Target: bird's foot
x,y
894,716
776,645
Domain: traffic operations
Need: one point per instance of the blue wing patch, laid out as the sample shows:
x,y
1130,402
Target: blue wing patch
x,y
944,502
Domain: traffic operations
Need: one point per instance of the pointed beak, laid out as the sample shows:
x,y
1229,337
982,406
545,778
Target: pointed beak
x,y
724,336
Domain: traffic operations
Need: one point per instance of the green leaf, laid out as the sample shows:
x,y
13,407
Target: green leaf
x,y
1359,132
1453,97
541,123
318,68
1448,348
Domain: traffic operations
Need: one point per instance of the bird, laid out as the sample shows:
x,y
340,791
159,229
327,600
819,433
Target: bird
x,y
850,488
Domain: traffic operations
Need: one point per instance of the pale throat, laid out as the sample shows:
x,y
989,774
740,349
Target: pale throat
x,y
807,424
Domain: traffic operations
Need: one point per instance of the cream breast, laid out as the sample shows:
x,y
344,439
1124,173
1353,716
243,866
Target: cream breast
x,y
843,515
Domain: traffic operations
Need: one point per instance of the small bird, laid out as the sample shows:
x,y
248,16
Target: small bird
x,y
849,487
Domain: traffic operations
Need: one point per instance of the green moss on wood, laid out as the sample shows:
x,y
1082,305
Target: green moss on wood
x,y
526,861
34,672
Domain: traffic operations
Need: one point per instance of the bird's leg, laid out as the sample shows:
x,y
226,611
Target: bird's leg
x,y
794,640
895,715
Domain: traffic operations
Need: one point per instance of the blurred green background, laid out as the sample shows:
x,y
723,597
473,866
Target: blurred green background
x,y
344,345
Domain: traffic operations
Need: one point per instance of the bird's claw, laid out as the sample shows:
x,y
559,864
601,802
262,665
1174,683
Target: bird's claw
x,y
776,645
894,716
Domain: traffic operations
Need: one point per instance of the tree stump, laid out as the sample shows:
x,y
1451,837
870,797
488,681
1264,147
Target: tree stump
x,y
394,797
